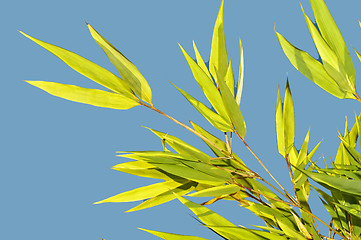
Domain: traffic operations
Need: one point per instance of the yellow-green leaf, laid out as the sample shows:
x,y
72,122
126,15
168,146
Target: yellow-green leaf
x,y
232,108
229,78
165,197
207,85
172,236
333,37
217,191
93,97
330,60
142,192
127,70
200,61
312,69
216,120
87,68
240,76
279,125
219,58
288,119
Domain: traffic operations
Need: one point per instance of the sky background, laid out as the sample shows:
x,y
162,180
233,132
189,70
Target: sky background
x,y
57,155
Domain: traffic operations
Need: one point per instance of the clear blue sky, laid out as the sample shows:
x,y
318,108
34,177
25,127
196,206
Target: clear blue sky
x,y
57,155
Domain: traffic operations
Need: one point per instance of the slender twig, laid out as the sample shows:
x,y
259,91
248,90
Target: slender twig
x,y
269,173
291,177
315,217
183,125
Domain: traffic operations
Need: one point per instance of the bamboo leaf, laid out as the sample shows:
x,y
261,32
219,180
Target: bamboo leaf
x,y
240,76
330,60
334,182
165,197
219,58
93,97
312,69
217,191
207,85
213,220
87,68
232,108
126,68
333,37
213,118
229,78
280,125
182,147
200,61
142,169
288,119
171,236
142,192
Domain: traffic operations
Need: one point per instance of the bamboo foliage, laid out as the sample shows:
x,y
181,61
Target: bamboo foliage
x,y
184,171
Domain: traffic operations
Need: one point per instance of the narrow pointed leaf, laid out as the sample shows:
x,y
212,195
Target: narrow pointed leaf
x,y
165,197
200,61
330,60
219,58
213,220
334,182
217,191
93,97
182,147
171,236
142,192
127,70
311,68
288,119
207,85
280,125
332,35
240,76
233,110
213,118
229,78
87,68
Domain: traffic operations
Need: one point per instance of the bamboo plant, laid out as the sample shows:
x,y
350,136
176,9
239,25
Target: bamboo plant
x,y
186,172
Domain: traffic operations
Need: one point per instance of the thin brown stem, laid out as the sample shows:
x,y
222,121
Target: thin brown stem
x,y
260,162
291,177
185,126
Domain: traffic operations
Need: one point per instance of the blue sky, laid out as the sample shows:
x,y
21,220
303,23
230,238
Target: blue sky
x,y
57,155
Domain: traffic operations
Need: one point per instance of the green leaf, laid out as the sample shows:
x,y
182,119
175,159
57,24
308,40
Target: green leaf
x,y
229,78
207,85
240,76
93,97
330,60
334,182
200,61
288,119
171,236
217,191
127,70
165,197
353,211
142,192
87,68
232,108
142,169
213,220
279,125
213,118
219,58
190,173
312,69
333,37
182,147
